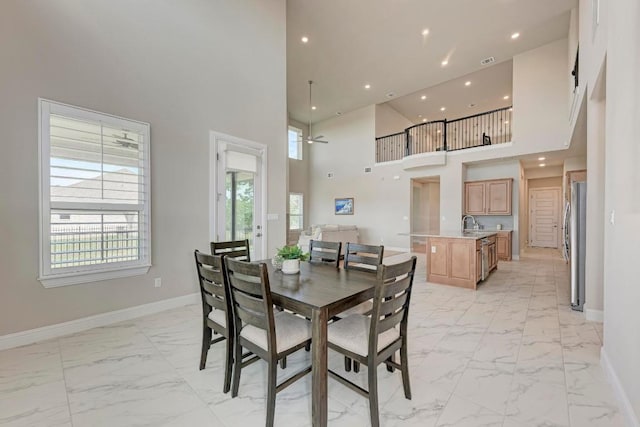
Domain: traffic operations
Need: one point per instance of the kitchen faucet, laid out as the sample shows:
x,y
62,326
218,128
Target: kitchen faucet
x,y
464,218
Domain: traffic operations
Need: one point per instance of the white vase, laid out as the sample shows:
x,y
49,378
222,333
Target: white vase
x,y
291,266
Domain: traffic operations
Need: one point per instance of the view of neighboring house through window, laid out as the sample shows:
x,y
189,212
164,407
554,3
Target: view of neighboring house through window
x,y
296,218
95,210
295,143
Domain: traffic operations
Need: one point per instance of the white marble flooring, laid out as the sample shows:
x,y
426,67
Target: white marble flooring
x,y
510,354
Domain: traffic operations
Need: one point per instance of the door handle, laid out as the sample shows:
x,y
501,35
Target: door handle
x,y
258,234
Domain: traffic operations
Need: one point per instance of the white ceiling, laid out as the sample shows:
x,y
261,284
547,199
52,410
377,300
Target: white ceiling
x,y
380,42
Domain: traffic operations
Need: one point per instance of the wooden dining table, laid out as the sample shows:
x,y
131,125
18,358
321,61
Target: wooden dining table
x,y
319,292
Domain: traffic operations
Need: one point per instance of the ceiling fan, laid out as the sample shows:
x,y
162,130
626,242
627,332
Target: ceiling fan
x,y
311,139
125,141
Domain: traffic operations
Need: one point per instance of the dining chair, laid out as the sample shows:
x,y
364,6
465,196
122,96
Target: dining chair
x,y
270,335
216,309
238,249
325,252
374,339
367,258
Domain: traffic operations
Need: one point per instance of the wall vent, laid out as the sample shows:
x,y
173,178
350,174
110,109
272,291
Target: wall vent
x,y
367,170
487,61
330,175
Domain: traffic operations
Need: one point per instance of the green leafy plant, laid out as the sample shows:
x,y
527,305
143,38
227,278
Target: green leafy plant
x,y
292,252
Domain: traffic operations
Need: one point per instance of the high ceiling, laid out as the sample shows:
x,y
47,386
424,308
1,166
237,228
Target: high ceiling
x,y
381,43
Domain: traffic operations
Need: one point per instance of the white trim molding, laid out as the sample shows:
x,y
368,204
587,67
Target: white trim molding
x,y
594,315
53,331
623,400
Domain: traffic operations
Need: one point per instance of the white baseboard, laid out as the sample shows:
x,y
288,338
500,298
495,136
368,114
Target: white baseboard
x,y
515,257
594,315
623,400
53,331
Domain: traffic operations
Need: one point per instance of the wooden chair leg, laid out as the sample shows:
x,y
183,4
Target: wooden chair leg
x,y
206,344
347,364
373,396
283,363
237,367
271,392
228,364
356,366
404,361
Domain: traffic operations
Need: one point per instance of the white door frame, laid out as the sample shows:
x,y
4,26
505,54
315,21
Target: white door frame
x,y
215,139
558,214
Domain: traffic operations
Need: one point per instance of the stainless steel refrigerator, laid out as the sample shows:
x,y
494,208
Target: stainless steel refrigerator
x,y
575,225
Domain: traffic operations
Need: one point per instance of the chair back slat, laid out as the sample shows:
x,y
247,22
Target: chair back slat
x,y
251,297
391,300
363,257
214,302
392,305
237,249
326,252
390,322
250,317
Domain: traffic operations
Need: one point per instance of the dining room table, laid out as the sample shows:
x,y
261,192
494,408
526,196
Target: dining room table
x,y
319,292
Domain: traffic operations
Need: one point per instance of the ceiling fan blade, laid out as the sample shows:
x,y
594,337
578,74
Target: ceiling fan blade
x,y
312,140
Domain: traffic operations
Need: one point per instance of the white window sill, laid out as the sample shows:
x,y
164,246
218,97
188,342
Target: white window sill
x,y
54,281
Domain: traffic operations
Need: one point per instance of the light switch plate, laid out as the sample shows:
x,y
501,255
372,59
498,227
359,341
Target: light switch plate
x,y
433,249
272,217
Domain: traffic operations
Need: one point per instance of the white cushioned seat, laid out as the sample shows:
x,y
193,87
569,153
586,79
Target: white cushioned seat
x,y
291,330
218,316
352,333
363,308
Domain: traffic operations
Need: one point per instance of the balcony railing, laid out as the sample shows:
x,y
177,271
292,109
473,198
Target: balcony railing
x,y
491,127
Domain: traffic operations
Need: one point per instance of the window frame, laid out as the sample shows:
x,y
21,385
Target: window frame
x,y
96,272
301,215
299,142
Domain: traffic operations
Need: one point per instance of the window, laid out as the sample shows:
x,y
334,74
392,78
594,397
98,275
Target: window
x,y
296,209
94,196
295,143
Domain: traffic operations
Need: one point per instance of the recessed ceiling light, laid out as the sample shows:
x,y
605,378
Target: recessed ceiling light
x,y
367,86
424,120
471,105
442,108
542,158
445,62
505,97
515,35
304,39
542,165
439,131
419,115
390,95
423,97
425,32
467,83
313,107
338,113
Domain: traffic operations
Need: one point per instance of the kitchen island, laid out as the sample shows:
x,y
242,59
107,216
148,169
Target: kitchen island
x,y
456,258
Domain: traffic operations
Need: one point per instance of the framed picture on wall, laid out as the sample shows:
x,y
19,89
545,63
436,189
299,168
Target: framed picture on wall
x,y
344,206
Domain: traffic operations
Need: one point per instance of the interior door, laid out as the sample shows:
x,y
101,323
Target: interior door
x,y
544,211
239,194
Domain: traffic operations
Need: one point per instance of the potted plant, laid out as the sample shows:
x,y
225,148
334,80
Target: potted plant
x,y
291,256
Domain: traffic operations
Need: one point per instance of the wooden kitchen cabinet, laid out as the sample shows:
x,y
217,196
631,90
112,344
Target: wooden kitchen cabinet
x,y
474,198
503,245
492,197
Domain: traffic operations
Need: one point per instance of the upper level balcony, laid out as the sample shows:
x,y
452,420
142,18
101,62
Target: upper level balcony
x,y
488,128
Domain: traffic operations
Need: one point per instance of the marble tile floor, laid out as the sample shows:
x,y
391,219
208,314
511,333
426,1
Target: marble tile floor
x,y
510,354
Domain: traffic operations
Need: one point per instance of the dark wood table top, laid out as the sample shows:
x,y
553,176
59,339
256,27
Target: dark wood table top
x,y
320,286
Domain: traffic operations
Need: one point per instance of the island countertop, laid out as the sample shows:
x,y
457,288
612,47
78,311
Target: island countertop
x,y
455,234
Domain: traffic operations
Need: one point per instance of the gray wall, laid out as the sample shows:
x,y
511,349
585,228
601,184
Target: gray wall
x,y
622,196
187,68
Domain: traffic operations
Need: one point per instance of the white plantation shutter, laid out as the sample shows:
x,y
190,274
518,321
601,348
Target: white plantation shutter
x,y
94,195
